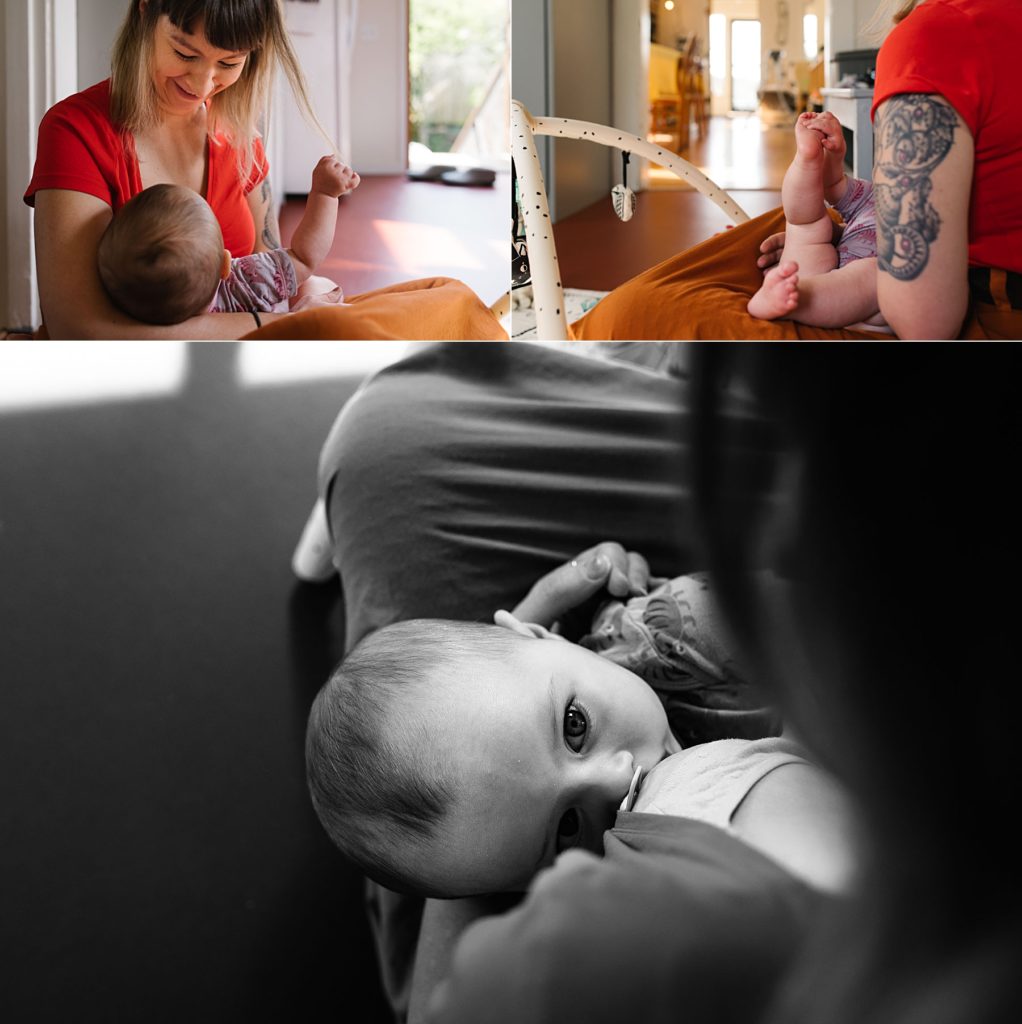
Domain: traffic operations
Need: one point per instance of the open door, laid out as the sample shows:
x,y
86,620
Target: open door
x,y
459,99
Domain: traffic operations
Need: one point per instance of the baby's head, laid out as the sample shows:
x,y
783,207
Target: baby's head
x,y
162,256
450,758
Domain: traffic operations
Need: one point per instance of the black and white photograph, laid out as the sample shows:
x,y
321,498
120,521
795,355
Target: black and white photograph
x,y
521,682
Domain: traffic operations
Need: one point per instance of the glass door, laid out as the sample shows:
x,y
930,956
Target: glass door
x,y
746,73
459,82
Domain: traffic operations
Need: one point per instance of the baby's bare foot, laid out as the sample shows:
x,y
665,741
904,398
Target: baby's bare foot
x,y
779,294
809,144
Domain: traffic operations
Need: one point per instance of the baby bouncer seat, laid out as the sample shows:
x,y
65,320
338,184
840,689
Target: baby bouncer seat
x,y
548,292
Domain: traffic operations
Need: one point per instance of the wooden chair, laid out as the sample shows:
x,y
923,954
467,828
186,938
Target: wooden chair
x,y
668,113
810,79
692,86
548,292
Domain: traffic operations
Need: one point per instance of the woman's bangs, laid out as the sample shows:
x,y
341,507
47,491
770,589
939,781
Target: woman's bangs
x,y
232,25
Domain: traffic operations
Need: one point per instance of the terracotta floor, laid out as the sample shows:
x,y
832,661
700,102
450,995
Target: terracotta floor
x,y
597,251
393,230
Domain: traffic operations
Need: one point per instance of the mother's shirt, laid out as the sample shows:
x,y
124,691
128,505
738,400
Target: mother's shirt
x,y
81,150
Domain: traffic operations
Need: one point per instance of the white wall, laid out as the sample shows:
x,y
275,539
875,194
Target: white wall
x,y
844,22
98,23
582,90
379,109
630,74
561,65
531,81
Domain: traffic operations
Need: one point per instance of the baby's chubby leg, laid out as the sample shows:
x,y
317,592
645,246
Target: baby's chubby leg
x,y
809,232
816,169
808,229
842,298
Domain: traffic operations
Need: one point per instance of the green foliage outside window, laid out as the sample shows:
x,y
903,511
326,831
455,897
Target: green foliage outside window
x,y
455,48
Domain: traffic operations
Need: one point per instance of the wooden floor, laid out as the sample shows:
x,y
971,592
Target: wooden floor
x,y
597,251
738,152
392,230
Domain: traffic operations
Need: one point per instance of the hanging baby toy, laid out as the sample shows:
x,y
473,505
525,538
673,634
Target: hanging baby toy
x,y
623,196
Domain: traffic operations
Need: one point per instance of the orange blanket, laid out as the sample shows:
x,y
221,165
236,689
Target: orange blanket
x,y
432,309
702,293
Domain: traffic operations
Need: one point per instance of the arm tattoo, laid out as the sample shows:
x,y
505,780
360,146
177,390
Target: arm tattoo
x,y
915,132
269,234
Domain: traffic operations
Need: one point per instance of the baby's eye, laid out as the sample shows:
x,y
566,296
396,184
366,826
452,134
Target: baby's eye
x,y
576,726
569,831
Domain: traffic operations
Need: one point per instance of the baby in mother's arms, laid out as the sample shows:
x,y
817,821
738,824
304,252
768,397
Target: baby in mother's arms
x,y
162,258
456,758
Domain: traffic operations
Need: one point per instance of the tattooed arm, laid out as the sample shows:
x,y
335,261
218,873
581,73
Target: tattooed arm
x,y
264,213
922,178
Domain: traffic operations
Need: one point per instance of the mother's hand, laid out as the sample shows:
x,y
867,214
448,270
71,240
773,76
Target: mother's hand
x,y
770,251
606,566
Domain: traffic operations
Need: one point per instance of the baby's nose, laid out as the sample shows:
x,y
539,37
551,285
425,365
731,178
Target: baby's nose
x,y
612,775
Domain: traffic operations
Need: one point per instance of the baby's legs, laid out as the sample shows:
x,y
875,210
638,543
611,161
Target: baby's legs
x,y
837,299
809,231
841,298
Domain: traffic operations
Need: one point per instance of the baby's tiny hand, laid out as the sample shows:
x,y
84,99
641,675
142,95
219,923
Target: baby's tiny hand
x,y
333,178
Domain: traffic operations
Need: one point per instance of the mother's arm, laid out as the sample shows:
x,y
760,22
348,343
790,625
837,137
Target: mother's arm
x,y
264,213
922,181
68,227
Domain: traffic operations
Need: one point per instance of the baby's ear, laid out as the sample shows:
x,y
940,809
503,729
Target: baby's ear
x,y
225,267
530,629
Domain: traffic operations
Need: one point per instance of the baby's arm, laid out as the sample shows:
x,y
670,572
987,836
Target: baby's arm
x,y
315,234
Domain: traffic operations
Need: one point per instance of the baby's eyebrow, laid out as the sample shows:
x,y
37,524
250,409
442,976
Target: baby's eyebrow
x,y
555,721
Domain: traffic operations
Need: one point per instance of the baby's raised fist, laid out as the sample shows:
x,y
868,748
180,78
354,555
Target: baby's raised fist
x,y
333,178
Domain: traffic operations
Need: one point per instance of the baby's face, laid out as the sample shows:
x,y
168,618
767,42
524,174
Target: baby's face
x,y
544,749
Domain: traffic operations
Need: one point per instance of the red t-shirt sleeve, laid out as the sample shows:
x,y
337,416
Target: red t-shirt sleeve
x,y
73,153
934,50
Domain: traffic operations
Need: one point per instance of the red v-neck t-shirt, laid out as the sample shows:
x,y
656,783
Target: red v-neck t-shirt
x,y
81,150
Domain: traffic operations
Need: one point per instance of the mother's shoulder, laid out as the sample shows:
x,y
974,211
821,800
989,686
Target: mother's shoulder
x,y
92,103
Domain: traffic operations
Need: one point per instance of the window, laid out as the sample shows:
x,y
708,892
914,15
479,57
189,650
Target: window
x,y
810,36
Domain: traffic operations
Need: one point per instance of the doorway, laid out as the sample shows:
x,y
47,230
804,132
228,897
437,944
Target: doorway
x,y
735,38
459,97
746,56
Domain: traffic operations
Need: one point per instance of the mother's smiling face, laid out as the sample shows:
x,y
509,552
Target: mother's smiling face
x,y
187,70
